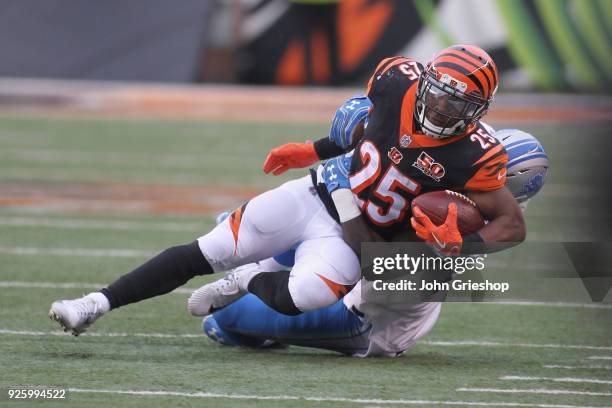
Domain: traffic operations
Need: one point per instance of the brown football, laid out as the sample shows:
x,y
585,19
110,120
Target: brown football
x,y
435,205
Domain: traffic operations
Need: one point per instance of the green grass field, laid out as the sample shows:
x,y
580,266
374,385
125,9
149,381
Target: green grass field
x,y
153,353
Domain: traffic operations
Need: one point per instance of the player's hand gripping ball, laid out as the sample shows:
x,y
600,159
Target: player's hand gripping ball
x,y
440,218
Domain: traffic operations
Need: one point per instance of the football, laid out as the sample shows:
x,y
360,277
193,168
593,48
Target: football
x,y
435,206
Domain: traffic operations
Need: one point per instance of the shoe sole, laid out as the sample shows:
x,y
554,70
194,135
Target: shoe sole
x,y
53,315
208,306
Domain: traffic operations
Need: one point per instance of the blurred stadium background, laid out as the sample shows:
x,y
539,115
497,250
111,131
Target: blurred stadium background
x,y
126,126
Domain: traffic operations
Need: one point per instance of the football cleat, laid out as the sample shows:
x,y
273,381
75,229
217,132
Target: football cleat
x,y
76,315
213,296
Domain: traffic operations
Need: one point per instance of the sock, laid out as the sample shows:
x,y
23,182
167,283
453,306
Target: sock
x,y
159,275
273,289
101,300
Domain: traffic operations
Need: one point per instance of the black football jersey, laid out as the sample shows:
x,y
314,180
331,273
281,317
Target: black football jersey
x,y
394,161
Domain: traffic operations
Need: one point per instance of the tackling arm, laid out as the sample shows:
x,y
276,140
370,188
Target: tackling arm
x,y
346,129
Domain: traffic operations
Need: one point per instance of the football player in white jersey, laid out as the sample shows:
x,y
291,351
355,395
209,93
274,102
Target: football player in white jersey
x,y
353,326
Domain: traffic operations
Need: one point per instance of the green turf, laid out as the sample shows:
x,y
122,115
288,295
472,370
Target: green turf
x,y
64,151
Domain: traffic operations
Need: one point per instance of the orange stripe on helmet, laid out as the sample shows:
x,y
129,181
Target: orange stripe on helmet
x,y
479,57
452,55
463,73
338,289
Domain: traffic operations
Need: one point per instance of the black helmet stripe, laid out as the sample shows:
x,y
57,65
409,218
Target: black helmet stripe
x,y
467,61
476,57
465,72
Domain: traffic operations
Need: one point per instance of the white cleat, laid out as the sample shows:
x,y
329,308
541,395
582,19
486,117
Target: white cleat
x,y
216,295
75,315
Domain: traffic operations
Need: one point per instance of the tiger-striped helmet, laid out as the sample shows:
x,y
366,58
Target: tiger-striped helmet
x,y
455,90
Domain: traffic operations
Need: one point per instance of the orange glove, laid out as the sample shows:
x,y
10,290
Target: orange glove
x,y
446,238
290,156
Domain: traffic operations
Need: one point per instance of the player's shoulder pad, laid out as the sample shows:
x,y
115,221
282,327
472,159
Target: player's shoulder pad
x,y
395,69
490,160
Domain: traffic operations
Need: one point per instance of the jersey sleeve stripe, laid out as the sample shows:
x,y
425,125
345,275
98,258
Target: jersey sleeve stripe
x,y
491,177
491,153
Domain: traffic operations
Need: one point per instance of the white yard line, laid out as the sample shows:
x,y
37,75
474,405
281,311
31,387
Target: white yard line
x,y
97,224
60,333
69,285
200,394
543,391
551,304
583,367
599,358
77,285
504,344
79,252
183,161
169,335
555,379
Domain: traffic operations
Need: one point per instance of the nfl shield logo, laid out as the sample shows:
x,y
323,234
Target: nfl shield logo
x,y
405,141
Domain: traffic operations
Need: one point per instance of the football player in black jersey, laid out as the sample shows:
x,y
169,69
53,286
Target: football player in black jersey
x,y
422,133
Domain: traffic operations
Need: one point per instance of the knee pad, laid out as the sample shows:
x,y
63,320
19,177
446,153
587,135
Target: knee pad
x,y
311,291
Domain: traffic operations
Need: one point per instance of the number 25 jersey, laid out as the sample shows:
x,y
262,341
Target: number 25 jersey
x,y
394,161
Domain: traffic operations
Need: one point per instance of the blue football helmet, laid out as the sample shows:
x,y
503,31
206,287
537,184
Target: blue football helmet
x,y
527,163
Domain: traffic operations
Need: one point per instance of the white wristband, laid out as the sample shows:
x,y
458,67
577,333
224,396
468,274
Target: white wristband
x,y
345,204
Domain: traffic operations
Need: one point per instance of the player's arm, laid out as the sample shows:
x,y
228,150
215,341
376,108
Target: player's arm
x,y
506,226
486,187
354,228
345,131
355,231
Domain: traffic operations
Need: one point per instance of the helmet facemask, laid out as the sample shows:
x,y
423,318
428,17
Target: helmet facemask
x,y
442,108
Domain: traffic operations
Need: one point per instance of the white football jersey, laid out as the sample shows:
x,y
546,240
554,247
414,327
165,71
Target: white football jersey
x,y
395,327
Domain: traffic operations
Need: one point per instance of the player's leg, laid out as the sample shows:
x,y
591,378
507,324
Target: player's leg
x,y
325,269
248,322
269,224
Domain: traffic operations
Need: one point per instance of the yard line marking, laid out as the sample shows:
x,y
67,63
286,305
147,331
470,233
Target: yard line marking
x,y
76,285
169,335
97,224
202,394
585,367
551,304
70,285
555,379
536,391
81,252
600,358
61,333
503,344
